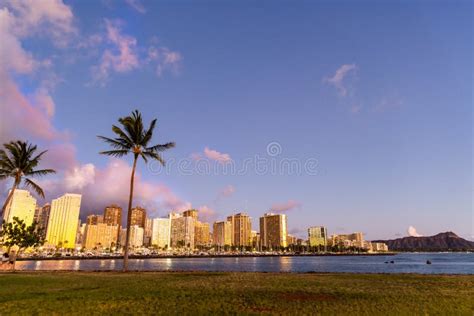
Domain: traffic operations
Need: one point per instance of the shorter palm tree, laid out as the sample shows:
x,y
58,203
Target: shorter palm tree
x,y
18,161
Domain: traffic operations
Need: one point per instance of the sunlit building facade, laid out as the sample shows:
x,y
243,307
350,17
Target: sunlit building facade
x,y
317,236
241,229
161,233
201,234
21,205
273,231
222,233
182,231
100,236
138,217
63,221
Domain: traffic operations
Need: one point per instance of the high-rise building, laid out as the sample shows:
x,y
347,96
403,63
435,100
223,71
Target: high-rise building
x,y
160,232
99,236
273,231
113,215
191,213
21,205
201,234
241,229
138,217
147,232
63,221
317,236
94,219
182,231
136,236
42,219
222,233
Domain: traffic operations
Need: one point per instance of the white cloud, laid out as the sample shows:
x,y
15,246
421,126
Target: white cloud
x,y
412,232
337,80
137,5
217,156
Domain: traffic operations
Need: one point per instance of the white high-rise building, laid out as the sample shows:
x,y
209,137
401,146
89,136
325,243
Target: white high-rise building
x,y
63,221
161,232
136,236
21,205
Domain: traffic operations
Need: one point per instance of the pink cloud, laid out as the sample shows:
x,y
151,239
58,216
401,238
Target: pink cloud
x,y
217,156
337,80
285,206
121,57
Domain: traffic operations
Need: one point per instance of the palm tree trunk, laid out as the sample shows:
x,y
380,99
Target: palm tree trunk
x,y
9,197
129,216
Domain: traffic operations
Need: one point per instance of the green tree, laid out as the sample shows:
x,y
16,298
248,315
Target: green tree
x,y
18,161
133,138
16,233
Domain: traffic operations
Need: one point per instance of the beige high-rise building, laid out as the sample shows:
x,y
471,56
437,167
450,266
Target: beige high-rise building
x,y
241,229
21,205
348,240
273,231
160,232
182,231
222,233
201,234
63,221
317,236
138,217
147,232
99,236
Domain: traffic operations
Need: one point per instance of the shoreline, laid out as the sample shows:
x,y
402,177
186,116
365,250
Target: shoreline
x,y
205,256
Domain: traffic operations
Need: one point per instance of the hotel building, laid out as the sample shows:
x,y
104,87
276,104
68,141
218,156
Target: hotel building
x,y
21,205
182,231
241,229
99,235
317,236
138,217
63,221
273,231
161,233
222,233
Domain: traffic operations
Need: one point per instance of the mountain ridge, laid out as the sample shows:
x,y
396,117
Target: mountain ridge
x,y
446,241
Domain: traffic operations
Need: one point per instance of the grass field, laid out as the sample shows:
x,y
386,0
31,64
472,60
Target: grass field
x,y
233,293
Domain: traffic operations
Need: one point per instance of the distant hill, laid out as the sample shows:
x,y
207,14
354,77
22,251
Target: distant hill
x,y
447,241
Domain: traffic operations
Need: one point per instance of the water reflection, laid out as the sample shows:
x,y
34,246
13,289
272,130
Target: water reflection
x,y
462,263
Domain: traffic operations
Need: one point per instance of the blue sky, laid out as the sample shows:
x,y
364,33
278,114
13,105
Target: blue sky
x,y
379,94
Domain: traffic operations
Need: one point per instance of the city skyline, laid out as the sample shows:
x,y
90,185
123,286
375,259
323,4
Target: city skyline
x,y
388,125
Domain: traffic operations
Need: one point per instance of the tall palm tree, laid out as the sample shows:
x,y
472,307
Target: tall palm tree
x,y
18,161
133,138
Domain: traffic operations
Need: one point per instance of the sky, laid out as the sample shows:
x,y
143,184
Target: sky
x,y
352,115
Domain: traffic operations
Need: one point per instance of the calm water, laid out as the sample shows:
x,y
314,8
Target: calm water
x,y
449,263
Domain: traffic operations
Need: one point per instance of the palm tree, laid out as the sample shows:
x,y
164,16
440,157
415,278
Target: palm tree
x,y
18,161
134,139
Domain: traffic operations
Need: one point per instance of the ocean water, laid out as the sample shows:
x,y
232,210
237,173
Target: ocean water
x,y
442,263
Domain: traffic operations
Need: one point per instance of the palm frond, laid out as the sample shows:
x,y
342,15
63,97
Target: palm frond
x,y
115,143
148,133
154,155
114,153
162,147
117,130
34,187
41,172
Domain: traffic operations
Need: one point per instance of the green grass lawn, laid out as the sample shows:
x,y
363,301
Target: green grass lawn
x,y
233,293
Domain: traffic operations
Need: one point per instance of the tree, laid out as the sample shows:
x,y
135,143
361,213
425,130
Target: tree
x,y
18,161
133,138
16,233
